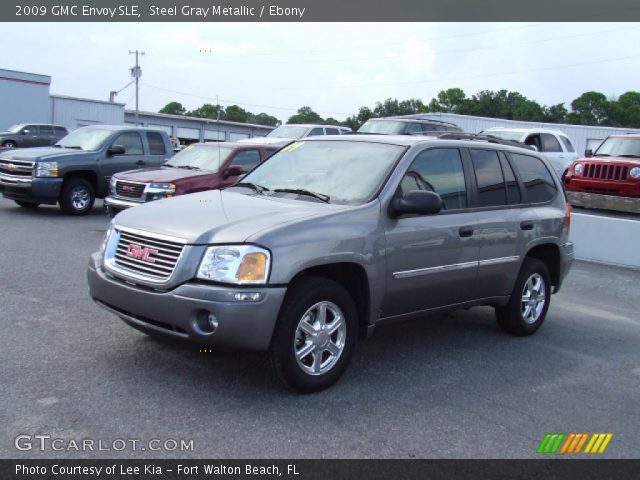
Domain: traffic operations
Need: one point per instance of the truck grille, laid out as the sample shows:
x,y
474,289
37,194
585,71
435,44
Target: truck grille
x,y
603,171
146,255
129,189
16,168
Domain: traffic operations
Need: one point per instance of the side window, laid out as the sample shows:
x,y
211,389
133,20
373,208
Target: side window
x,y
538,182
247,159
316,131
46,130
332,131
550,143
156,143
32,129
513,189
60,130
429,127
567,144
535,141
268,152
131,142
438,170
491,188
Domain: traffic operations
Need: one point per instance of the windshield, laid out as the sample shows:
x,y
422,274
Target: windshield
x,y
15,128
385,127
347,172
503,134
288,131
619,147
90,139
201,157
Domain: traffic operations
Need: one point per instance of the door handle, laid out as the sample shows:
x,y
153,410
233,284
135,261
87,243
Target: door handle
x,y
465,231
140,162
527,225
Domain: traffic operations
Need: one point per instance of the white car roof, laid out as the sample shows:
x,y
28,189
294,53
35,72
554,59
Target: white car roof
x,y
525,130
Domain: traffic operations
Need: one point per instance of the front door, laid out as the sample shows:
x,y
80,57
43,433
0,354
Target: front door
x,y
432,260
132,158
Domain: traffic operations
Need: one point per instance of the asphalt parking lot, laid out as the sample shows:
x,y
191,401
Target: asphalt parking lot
x,y
449,386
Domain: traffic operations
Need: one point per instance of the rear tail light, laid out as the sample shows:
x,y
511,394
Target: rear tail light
x,y
567,218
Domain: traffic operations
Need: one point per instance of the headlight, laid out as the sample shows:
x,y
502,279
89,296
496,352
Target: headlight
x,y
112,185
156,191
634,172
239,264
105,240
46,169
578,168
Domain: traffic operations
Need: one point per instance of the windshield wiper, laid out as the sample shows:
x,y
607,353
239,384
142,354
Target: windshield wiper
x,y
188,167
302,191
253,186
75,147
601,155
629,155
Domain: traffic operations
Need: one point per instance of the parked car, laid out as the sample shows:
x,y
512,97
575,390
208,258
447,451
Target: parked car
x,y
335,235
79,167
198,167
554,144
406,126
286,133
613,169
32,135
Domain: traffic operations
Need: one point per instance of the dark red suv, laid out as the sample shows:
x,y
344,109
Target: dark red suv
x,y
613,169
198,167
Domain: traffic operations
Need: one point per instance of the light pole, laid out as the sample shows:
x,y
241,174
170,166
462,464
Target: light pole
x,y
136,73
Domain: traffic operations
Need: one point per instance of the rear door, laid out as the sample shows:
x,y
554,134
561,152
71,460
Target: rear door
x,y
46,136
158,153
432,260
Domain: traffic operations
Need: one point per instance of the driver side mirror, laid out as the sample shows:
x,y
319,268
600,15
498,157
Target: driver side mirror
x,y
25,131
233,171
116,150
419,202
588,153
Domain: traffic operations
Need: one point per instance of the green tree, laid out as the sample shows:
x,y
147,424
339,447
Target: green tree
x,y
264,119
625,111
305,115
452,100
207,111
355,121
235,113
554,113
590,108
173,108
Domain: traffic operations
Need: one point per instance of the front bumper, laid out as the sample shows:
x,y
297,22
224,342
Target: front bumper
x,y
179,313
41,190
622,188
566,260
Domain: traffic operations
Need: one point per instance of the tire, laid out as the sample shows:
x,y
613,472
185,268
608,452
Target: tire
x,y
77,196
518,319
327,352
27,204
9,144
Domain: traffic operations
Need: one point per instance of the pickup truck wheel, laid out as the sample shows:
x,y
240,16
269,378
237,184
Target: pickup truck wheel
x,y
529,301
9,144
315,335
27,204
77,196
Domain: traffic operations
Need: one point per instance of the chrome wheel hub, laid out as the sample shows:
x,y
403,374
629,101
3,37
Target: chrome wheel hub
x,y
533,298
79,197
320,338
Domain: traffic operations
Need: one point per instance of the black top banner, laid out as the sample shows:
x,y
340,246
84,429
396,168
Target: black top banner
x,y
318,10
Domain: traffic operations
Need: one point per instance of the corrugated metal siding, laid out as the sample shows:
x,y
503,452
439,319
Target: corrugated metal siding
x,y
582,136
76,112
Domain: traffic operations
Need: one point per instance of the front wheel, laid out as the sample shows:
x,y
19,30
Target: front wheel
x,y
77,196
529,302
9,144
315,335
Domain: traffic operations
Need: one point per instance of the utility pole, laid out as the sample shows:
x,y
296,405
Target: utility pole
x,y
136,73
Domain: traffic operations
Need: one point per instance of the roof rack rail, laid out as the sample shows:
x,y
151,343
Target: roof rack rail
x,y
423,116
485,138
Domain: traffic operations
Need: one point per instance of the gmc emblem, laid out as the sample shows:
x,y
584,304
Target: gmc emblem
x,y
141,253
127,188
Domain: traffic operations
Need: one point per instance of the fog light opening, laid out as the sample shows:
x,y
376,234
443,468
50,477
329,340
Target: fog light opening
x,y
206,322
247,296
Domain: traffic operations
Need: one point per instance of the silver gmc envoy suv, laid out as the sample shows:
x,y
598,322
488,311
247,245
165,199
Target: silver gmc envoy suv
x,y
334,235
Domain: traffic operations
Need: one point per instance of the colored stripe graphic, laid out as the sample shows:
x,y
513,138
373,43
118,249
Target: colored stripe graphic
x,y
598,443
550,443
573,443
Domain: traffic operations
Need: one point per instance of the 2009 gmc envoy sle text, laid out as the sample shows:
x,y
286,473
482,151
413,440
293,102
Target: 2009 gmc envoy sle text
x,y
333,235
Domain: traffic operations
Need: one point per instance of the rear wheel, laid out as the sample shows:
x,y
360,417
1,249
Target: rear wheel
x,y
529,302
77,196
27,204
315,335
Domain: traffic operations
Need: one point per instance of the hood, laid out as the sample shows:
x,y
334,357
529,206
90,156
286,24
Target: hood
x,y
41,153
616,160
219,216
7,134
160,175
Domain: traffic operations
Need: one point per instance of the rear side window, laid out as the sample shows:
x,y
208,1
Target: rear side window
x,y
332,131
316,131
156,143
60,130
537,180
46,130
550,143
491,188
513,189
438,170
414,128
567,144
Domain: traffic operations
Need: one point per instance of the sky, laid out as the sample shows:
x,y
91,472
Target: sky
x,y
334,68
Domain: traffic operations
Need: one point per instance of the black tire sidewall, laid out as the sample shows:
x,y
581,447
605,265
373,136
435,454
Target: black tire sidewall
x,y
304,293
10,144
65,196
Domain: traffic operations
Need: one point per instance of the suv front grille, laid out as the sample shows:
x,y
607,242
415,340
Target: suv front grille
x,y
147,256
17,168
603,171
129,189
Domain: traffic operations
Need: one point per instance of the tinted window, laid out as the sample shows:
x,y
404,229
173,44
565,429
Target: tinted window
x,y
46,130
332,131
131,142
513,189
269,152
316,131
247,159
567,144
156,143
491,189
438,170
414,128
537,180
550,143
33,129
60,130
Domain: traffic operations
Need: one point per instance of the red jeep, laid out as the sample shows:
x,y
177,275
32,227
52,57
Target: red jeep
x,y
613,169
198,167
